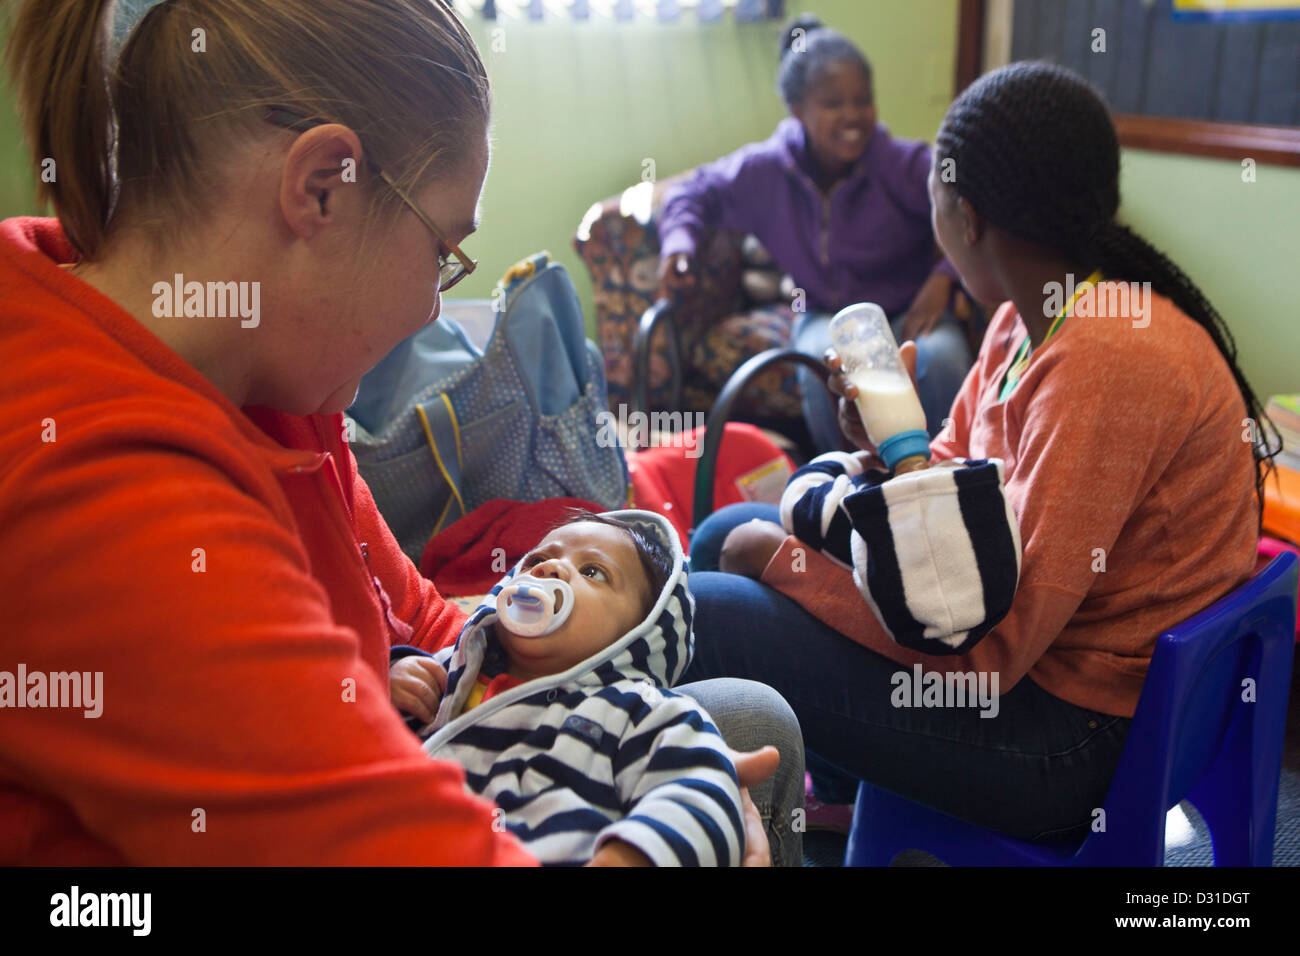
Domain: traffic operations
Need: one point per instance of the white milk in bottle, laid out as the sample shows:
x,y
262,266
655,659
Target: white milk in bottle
x,y
887,401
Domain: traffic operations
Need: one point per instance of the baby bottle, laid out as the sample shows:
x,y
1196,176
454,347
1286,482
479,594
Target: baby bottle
x,y
887,401
532,607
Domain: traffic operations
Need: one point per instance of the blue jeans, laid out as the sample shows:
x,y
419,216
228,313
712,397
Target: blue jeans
x,y
1036,771
749,716
942,360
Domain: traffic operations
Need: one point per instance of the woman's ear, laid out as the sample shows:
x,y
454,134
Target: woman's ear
x,y
972,226
321,168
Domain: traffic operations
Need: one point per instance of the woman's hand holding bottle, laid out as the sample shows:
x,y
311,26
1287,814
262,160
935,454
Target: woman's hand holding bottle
x,y
850,418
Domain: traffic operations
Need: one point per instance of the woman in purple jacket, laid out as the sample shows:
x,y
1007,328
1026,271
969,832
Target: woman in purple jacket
x,y
842,207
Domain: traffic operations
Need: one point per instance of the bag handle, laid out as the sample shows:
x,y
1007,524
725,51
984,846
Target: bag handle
x,y
442,432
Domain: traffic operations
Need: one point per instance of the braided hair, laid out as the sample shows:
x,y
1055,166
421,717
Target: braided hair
x,y
802,66
1036,155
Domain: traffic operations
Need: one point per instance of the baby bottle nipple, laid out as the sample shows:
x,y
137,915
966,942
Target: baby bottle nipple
x,y
887,401
531,607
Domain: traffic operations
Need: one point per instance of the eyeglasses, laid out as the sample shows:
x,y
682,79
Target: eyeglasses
x,y
449,272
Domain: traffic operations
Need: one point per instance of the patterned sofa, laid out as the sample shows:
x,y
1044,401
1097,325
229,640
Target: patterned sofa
x,y
735,311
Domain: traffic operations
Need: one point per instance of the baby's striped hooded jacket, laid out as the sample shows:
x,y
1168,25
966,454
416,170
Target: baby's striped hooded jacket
x,y
604,750
935,553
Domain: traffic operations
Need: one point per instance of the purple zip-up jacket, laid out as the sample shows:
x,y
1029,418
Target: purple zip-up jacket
x,y
869,240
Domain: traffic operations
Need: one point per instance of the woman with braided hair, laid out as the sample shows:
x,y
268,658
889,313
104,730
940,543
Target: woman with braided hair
x,y
1109,388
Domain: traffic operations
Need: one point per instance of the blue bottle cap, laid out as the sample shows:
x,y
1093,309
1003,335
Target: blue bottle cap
x,y
904,445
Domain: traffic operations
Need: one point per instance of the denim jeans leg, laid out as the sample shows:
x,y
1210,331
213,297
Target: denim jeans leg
x,y
1015,759
749,716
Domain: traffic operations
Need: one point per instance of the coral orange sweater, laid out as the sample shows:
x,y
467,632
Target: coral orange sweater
x,y
210,564
1134,490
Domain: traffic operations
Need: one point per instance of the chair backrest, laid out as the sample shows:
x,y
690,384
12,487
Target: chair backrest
x,y
618,240
1227,666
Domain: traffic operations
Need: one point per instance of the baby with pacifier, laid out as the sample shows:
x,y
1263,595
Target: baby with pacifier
x,y
555,700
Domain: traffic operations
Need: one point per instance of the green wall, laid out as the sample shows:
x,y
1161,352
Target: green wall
x,y
17,176
1237,241
579,107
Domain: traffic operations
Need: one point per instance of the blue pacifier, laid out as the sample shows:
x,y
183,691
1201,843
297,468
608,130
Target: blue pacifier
x,y
531,607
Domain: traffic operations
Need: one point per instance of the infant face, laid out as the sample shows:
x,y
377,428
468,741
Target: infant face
x,y
611,592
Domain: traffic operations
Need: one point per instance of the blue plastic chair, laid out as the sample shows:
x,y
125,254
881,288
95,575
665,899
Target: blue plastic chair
x,y
1193,737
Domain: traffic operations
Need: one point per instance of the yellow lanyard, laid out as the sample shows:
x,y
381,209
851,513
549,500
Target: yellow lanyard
x,y
1023,355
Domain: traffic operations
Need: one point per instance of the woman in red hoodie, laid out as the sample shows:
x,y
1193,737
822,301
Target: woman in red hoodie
x,y
200,595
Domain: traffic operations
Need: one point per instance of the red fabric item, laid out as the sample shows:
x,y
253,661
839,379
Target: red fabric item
x,y
498,685
209,564
663,479
472,555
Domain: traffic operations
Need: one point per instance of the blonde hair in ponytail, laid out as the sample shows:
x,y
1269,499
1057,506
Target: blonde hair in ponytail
x,y
137,141
56,62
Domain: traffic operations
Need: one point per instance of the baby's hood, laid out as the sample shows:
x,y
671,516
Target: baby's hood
x,y
658,649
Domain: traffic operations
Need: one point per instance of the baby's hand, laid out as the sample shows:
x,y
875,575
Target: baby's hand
x,y
416,685
748,548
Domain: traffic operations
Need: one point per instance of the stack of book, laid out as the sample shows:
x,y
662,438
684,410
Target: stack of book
x,y
1282,491
1284,410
